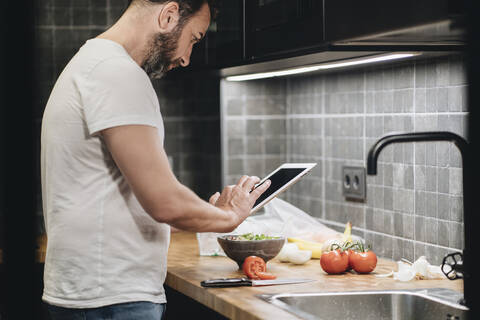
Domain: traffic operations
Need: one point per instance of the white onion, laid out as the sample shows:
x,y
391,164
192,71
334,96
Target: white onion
x,y
299,256
283,255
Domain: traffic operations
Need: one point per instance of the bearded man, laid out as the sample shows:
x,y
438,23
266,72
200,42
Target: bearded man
x,y
109,195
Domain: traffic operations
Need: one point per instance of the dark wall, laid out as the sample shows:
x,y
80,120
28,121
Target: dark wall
x,y
16,165
190,107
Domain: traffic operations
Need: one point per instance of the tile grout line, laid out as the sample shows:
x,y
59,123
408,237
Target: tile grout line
x,y
323,196
190,118
109,12
71,27
70,9
414,193
223,138
244,138
365,146
287,122
343,115
339,224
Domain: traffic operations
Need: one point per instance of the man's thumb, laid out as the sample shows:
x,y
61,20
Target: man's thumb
x,y
213,199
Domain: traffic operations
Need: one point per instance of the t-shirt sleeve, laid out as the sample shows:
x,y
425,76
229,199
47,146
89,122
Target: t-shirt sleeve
x,y
115,93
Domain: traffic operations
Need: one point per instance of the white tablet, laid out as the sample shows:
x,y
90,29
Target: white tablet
x,y
282,178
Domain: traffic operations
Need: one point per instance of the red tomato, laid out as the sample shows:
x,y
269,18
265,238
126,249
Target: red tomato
x,y
363,262
265,275
334,262
252,265
349,253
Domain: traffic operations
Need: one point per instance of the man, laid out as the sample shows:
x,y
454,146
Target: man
x,y
109,195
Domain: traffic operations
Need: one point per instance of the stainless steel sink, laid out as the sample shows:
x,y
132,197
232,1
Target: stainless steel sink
x,y
425,304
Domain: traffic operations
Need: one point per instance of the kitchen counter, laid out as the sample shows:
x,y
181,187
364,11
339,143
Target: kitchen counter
x,y
186,269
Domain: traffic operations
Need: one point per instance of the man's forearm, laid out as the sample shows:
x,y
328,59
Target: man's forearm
x,y
186,211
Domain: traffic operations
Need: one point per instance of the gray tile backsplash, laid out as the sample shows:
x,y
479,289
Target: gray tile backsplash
x,y
414,205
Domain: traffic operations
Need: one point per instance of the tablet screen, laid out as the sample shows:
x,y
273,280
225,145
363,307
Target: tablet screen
x,y
278,180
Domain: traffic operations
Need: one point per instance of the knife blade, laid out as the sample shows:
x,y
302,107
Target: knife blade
x,y
239,282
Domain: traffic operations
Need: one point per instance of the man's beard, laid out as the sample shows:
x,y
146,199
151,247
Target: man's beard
x,y
161,52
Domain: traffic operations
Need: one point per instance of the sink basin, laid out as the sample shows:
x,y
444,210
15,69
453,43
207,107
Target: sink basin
x,y
425,304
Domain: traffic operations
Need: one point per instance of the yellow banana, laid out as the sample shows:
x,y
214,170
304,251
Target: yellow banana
x,y
298,240
315,247
347,234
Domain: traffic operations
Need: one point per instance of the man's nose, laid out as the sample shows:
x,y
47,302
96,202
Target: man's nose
x,y
185,59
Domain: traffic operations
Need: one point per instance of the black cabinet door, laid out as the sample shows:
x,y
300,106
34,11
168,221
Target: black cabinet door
x,y
226,37
223,43
346,19
278,27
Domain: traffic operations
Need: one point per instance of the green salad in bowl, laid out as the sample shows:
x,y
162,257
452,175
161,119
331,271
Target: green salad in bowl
x,y
251,236
240,246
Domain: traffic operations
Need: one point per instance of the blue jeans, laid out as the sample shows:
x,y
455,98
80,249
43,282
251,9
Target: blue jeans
x,y
141,310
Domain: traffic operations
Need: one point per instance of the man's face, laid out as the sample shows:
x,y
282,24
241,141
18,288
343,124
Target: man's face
x,y
170,50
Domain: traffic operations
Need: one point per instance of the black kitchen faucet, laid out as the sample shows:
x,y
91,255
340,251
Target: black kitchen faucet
x,y
462,263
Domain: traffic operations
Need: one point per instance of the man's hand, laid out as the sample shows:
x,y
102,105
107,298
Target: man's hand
x,y
238,198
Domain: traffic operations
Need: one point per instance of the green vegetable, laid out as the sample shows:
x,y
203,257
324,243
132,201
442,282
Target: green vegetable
x,y
251,236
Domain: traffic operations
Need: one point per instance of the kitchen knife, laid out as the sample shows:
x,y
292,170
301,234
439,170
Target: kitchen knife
x,y
239,282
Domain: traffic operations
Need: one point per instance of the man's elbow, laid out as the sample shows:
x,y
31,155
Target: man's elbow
x,y
166,208
167,213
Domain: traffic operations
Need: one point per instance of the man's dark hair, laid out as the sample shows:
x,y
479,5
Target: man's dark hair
x,y
187,8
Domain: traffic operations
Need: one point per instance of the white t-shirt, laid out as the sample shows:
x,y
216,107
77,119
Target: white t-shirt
x,y
103,248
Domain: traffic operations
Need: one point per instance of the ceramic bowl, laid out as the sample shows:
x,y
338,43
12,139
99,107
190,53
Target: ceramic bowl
x,y
238,250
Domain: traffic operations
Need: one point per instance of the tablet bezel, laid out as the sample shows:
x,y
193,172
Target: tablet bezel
x,y
306,168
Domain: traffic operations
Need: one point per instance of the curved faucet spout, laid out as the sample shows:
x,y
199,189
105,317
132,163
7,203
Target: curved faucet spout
x,y
464,148
375,150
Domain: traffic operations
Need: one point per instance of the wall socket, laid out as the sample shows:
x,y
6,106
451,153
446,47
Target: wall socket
x,y
354,183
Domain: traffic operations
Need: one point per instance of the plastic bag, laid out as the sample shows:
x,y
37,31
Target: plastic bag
x,y
280,218
208,244
283,218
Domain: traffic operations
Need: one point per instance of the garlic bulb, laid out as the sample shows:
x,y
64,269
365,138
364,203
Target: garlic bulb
x,y
327,245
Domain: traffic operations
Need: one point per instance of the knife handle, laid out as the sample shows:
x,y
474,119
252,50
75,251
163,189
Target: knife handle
x,y
227,282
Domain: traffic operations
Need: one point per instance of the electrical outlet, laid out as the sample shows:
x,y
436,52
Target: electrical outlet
x,y
354,183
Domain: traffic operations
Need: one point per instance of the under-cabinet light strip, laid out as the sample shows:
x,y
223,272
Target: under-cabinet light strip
x,y
324,66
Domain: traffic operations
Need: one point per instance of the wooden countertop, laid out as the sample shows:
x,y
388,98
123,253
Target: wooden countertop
x,y
186,269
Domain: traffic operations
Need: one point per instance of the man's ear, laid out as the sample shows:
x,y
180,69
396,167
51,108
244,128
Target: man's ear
x,y
168,17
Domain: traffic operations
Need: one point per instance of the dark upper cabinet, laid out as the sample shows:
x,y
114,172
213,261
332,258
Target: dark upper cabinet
x,y
250,31
350,19
227,36
278,27
223,45
247,31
